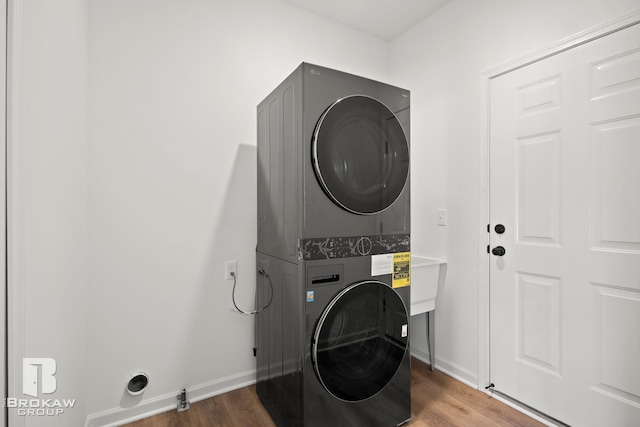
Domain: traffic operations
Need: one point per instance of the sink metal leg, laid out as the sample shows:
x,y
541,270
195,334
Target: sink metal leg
x,y
431,342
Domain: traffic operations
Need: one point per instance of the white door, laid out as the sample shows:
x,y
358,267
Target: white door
x,y
565,184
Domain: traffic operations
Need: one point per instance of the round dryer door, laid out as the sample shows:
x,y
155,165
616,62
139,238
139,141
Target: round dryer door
x,y
360,154
360,340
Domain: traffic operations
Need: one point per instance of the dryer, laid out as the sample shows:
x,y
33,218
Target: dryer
x,y
333,163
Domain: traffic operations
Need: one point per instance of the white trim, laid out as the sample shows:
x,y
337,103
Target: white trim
x,y
3,205
484,240
157,405
420,355
423,357
581,38
566,44
458,372
15,210
447,367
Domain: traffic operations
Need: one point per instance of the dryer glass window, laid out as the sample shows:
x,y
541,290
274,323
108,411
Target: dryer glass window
x,y
360,340
361,154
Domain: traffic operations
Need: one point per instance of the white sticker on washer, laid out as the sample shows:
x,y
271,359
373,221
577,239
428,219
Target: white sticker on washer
x,y
381,264
405,330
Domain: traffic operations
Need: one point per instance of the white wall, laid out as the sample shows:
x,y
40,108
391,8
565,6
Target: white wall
x,y
48,132
442,60
174,86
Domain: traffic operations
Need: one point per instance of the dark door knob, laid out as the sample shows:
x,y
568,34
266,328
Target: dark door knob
x,y
498,251
499,228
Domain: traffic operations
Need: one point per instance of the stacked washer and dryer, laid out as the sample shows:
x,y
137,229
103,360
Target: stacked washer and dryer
x,y
332,344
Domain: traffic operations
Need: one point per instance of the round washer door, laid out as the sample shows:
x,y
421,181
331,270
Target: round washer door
x,y
360,154
360,340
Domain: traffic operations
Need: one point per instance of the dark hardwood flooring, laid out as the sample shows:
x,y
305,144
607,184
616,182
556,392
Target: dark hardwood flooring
x,y
436,400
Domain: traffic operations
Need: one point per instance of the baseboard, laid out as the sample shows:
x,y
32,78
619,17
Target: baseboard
x,y
156,405
449,368
471,380
421,355
118,416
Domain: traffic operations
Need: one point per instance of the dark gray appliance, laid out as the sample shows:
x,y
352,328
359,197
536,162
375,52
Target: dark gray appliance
x,y
333,205
333,161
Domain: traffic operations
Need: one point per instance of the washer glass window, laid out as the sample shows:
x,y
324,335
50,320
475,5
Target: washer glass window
x,y
360,340
361,154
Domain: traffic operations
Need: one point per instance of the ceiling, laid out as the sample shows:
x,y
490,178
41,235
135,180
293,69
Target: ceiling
x,y
384,19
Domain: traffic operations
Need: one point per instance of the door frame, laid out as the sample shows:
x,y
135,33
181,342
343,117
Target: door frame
x,y
13,212
3,204
609,27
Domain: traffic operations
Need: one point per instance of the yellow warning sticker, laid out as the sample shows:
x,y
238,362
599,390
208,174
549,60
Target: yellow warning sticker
x,y
401,270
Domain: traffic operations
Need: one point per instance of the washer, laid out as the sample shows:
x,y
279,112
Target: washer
x,y
340,355
333,162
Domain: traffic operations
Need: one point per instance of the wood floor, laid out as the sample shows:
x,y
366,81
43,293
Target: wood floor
x,y
436,400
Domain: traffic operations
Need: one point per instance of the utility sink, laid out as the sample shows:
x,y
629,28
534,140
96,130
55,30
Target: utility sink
x,y
426,275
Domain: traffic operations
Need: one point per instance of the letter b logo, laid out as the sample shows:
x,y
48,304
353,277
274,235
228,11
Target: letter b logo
x,y
30,375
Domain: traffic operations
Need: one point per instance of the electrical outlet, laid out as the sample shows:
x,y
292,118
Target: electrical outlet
x,y
442,217
230,267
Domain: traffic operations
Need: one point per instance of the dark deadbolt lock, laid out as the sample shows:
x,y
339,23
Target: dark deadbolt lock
x,y
498,251
499,228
